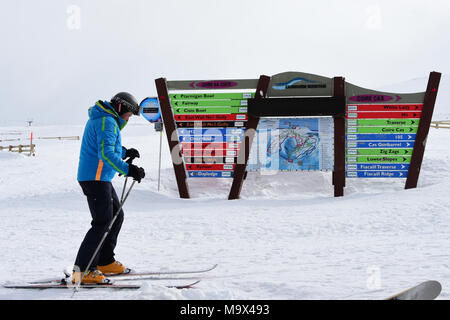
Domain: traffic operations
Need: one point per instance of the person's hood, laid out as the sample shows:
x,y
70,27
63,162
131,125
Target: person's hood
x,y
102,109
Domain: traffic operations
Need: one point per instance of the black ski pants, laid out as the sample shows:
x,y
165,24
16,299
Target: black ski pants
x,y
103,204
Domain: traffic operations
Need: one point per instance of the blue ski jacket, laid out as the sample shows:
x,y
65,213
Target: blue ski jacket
x,y
101,151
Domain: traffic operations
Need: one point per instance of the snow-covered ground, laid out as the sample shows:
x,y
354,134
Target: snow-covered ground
x,y
287,238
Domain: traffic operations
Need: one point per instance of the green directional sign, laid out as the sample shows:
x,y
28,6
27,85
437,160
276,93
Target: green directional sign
x,y
378,159
382,129
213,110
389,152
211,96
383,122
208,103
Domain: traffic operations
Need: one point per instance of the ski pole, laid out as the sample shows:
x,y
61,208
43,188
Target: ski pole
x,y
103,238
123,190
129,161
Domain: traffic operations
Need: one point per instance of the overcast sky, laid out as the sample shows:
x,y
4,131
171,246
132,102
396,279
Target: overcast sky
x,y
58,57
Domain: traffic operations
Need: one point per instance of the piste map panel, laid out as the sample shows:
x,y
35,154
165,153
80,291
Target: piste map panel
x,y
293,144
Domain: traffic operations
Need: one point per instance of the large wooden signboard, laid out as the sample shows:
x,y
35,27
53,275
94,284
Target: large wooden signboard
x,y
382,131
206,126
355,132
294,94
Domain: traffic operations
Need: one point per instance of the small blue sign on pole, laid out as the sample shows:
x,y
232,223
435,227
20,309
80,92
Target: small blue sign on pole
x,y
150,109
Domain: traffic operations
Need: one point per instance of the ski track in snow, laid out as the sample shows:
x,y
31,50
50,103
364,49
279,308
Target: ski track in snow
x,y
287,238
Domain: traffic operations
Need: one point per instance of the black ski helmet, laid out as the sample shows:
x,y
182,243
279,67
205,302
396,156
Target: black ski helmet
x,y
127,103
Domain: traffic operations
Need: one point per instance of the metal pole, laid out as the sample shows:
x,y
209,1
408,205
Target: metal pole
x,y
160,146
123,190
129,161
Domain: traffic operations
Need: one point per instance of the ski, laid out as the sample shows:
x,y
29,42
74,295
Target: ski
x,y
121,277
428,290
187,286
43,286
132,273
149,275
61,285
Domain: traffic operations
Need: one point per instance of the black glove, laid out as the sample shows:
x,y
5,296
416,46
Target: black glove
x,y
132,153
136,172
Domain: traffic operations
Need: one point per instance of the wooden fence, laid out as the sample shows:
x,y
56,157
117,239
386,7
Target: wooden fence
x,y
440,124
61,138
28,148
15,139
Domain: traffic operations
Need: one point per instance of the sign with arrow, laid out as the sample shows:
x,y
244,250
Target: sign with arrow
x,y
208,167
211,117
386,137
211,145
381,129
380,138
383,122
377,174
210,131
225,138
210,124
212,96
210,174
377,166
380,144
379,152
208,103
212,110
377,159
385,107
382,115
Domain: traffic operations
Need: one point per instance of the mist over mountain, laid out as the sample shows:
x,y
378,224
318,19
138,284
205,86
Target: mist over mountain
x,y
59,57
442,107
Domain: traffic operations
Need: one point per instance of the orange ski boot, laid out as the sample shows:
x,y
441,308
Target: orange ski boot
x,y
91,277
114,268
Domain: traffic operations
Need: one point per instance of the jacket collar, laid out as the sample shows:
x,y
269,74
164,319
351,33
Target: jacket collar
x,y
105,106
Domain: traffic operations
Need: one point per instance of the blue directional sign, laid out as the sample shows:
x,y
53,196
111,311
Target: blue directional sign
x,y
377,166
210,174
210,131
380,144
368,136
377,174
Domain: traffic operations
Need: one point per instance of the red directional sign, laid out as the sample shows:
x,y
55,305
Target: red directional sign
x,y
214,167
382,115
385,107
209,153
211,145
211,117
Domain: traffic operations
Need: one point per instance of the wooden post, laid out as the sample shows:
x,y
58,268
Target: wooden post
x,y
422,131
172,137
31,144
339,142
244,151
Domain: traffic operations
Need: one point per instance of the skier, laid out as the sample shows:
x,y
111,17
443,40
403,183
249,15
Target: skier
x,y
101,156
